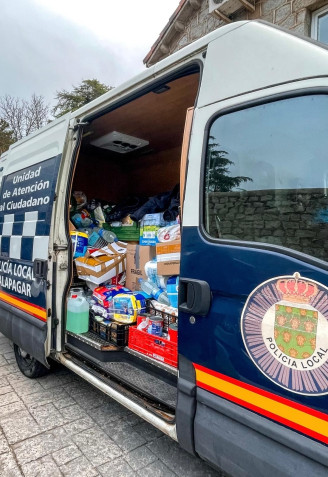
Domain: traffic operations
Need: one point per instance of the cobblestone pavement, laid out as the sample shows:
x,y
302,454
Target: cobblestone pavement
x,y
59,425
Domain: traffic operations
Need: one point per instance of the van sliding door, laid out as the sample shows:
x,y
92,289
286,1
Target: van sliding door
x,y
30,172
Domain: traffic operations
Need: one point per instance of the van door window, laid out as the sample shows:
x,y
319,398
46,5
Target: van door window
x,y
266,175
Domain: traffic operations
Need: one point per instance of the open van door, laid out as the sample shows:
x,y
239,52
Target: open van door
x,y
29,178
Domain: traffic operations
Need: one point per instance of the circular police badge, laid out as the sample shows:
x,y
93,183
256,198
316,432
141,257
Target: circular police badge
x,y
284,325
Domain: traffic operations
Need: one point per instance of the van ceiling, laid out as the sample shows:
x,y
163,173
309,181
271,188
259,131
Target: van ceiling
x,y
157,118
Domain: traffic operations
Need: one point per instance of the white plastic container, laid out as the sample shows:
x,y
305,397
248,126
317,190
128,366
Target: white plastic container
x,y
77,315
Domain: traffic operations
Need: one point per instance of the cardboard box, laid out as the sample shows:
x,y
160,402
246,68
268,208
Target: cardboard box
x,y
168,257
136,258
103,264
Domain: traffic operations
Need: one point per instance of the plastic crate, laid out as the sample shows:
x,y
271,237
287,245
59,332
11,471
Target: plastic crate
x,y
154,346
113,332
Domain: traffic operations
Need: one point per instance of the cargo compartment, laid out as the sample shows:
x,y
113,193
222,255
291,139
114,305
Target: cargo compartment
x,y
133,150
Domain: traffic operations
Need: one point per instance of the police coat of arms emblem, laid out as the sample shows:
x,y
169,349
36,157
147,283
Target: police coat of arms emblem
x,y
285,331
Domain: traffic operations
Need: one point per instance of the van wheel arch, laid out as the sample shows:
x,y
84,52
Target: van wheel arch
x,y
29,366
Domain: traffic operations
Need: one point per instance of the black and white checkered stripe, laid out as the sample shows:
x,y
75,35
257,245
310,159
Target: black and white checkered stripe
x,y
24,236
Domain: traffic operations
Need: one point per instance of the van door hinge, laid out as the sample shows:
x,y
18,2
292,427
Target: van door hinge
x,y
48,284
49,312
59,247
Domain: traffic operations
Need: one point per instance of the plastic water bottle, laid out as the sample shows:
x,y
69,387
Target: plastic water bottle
x,y
107,235
152,290
77,314
151,272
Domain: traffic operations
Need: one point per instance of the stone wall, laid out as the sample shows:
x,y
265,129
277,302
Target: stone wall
x,y
294,15
296,219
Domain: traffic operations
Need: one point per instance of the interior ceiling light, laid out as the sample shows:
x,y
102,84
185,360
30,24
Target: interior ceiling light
x,y
161,89
119,142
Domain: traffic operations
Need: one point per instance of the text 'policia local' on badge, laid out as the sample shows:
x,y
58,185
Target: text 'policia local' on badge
x,y
284,326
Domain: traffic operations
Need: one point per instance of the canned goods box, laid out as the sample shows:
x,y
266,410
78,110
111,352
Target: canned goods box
x,y
103,264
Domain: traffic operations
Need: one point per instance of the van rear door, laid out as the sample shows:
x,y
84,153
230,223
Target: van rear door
x,y
29,179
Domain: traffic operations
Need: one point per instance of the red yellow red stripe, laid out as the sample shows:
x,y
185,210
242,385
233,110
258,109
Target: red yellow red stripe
x,y
289,413
23,305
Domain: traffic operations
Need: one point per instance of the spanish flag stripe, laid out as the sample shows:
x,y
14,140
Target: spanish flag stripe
x,y
267,394
268,405
270,415
33,310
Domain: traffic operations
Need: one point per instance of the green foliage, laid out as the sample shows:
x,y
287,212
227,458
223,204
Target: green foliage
x,y
218,178
80,95
6,136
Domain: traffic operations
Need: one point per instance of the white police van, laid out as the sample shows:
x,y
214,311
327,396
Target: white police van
x,y
240,119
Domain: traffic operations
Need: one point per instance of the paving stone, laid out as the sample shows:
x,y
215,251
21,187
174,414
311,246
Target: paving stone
x,y
54,380
19,426
64,400
158,469
4,447
11,409
25,388
8,466
147,431
179,461
109,412
79,467
5,390
78,426
9,398
90,399
40,446
3,361
40,398
117,468
44,467
6,370
124,435
72,413
76,387
63,456
47,416
96,446
140,457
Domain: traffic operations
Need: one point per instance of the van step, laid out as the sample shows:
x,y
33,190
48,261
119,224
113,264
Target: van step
x,y
94,340
127,370
127,397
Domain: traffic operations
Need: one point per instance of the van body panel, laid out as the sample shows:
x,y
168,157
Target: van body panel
x,y
260,57
27,196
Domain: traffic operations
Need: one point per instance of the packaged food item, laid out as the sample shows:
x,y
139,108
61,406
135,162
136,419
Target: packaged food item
x,y
79,243
155,325
105,294
169,233
127,307
173,333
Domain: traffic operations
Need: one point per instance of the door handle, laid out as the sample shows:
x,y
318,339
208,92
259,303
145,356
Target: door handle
x,y
194,296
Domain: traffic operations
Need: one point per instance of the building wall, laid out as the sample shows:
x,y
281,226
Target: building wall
x,y
292,14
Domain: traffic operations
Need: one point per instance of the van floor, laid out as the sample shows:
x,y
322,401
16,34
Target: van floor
x,y
153,382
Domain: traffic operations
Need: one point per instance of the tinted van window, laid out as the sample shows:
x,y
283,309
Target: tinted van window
x,y
266,175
